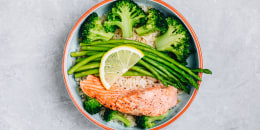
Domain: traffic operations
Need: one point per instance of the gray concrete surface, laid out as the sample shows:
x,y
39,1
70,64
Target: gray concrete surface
x,y
32,90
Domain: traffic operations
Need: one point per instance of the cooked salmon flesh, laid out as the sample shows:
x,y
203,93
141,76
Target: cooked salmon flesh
x,y
150,101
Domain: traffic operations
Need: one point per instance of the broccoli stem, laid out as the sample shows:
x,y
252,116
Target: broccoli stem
x,y
102,35
127,28
148,121
163,40
89,66
85,73
123,119
83,62
143,30
156,118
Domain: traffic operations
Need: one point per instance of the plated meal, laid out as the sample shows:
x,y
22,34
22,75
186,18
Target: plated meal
x,y
131,64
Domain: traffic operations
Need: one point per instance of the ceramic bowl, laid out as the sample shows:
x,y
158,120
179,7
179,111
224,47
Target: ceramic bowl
x,y
194,61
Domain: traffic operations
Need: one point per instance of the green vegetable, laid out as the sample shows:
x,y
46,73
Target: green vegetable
x,y
146,48
158,56
154,64
79,53
158,65
92,106
173,63
206,71
129,73
120,42
89,66
114,115
124,14
147,73
82,53
156,21
141,70
175,40
95,48
152,69
83,62
85,73
175,68
96,73
148,121
161,56
133,73
80,59
93,30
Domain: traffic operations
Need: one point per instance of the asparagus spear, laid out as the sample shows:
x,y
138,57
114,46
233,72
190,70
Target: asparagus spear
x,y
190,79
82,53
83,62
145,47
152,69
92,65
85,73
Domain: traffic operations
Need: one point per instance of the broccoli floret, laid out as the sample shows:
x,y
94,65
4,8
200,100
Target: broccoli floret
x,y
124,14
175,40
148,121
155,21
93,30
114,115
92,106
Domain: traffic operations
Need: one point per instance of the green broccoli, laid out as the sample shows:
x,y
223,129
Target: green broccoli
x,y
92,106
175,40
93,30
148,121
114,115
124,14
155,21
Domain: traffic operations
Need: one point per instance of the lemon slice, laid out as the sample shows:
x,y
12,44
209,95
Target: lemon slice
x,y
116,62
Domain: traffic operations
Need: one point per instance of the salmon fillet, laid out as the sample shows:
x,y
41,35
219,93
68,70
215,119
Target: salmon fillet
x,y
150,101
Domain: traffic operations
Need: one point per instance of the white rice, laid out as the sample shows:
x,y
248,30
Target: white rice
x,y
135,82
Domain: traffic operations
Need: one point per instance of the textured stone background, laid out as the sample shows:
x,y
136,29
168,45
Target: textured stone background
x,y
33,35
